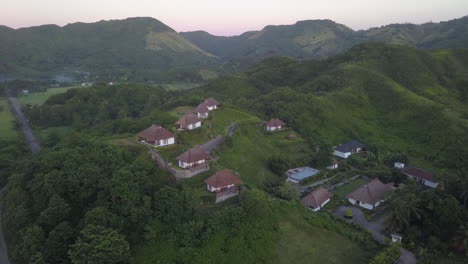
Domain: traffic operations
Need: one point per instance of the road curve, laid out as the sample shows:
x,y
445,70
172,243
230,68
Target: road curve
x,y
27,131
3,246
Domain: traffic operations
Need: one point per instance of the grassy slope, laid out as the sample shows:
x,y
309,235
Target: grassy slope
x,y
6,121
40,98
393,97
250,149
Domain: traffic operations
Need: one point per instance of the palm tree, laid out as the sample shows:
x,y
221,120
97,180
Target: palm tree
x,y
404,210
461,238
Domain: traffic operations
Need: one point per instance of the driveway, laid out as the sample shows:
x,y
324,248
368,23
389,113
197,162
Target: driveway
x,y
376,228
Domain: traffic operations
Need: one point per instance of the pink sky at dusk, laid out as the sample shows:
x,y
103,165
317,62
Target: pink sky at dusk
x,y
231,17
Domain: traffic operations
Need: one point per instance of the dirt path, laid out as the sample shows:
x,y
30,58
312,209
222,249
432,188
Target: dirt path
x,y
27,131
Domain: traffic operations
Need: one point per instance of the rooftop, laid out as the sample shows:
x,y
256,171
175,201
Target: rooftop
x,y
349,146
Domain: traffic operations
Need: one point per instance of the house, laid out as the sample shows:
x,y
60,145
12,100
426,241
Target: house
x,y
188,121
156,136
275,125
399,165
348,148
202,111
211,104
193,157
25,92
299,174
370,195
317,199
421,176
222,181
334,165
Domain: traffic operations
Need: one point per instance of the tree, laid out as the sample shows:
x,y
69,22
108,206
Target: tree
x,y
31,241
58,242
279,164
461,239
56,212
403,210
286,191
97,244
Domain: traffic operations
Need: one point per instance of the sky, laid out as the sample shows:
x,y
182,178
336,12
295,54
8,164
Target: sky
x,y
231,17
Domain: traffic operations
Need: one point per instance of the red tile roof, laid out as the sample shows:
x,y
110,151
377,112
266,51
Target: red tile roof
x,y
371,193
222,179
187,119
210,102
317,197
155,133
194,154
275,123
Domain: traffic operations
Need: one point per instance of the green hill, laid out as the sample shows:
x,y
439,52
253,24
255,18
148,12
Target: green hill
x,y
324,38
394,97
105,48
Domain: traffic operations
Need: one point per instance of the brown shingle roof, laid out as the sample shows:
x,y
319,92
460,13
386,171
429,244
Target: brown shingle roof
x,y
187,119
201,108
317,197
194,154
155,133
275,123
371,193
210,102
419,173
222,179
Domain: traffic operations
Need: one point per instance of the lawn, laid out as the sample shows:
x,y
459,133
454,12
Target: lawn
x,y
40,97
303,243
179,86
7,125
341,192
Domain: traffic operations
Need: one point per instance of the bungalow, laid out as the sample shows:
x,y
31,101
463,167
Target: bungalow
x,y
193,157
421,176
317,199
398,165
370,195
156,136
211,104
275,125
299,174
348,148
202,111
222,181
188,121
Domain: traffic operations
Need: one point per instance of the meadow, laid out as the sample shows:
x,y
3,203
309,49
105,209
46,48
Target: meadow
x,y
40,97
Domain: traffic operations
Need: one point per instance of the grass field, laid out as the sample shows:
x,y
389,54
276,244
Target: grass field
x,y
342,191
303,243
179,86
7,129
41,97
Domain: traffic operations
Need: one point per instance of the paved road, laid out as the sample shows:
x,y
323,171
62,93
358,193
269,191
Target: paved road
x,y
27,131
3,246
406,257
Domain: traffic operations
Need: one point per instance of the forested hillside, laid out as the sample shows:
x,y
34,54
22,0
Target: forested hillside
x,y
107,49
144,49
324,38
394,97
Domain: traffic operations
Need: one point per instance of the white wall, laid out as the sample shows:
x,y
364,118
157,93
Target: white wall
x,y
202,115
431,184
340,154
213,189
292,180
170,141
364,205
273,128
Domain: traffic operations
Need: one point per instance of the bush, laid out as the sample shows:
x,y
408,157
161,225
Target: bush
x,y
348,213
